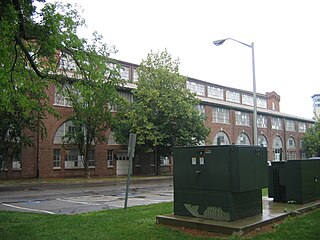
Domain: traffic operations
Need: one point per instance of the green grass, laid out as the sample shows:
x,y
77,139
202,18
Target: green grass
x,y
133,223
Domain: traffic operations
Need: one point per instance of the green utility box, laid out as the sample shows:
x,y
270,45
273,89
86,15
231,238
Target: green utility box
x,y
295,180
219,182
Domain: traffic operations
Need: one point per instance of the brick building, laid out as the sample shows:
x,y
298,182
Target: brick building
x,y
229,114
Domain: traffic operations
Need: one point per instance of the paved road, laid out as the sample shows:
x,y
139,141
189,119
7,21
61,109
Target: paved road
x,y
84,197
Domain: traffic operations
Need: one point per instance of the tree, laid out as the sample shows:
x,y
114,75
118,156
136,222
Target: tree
x,y
39,47
311,144
92,103
164,113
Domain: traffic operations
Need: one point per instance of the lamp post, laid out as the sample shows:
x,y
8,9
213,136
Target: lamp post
x,y
255,131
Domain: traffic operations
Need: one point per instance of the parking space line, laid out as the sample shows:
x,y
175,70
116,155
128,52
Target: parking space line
x,y
72,201
27,209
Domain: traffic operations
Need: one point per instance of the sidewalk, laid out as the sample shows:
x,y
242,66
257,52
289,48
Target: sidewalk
x,y
17,184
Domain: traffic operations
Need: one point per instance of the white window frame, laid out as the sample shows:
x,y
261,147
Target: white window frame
x,y
220,115
242,118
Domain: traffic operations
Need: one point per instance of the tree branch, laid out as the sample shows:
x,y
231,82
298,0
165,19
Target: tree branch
x,y
59,78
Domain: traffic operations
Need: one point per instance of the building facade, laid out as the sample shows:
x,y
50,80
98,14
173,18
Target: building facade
x,y
316,105
229,115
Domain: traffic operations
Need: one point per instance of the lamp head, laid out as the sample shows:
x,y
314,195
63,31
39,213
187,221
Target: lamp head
x,y
219,42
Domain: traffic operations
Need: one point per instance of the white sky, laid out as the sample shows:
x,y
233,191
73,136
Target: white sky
x,y
285,34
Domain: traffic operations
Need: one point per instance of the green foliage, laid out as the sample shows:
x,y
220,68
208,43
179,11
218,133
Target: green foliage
x,y
311,139
164,113
40,47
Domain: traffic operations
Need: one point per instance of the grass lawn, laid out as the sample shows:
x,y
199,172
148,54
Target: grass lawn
x,y
133,223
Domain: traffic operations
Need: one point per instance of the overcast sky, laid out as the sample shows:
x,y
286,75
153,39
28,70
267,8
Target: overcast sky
x,y
285,35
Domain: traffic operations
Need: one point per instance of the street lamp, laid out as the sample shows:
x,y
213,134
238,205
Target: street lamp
x,y
255,131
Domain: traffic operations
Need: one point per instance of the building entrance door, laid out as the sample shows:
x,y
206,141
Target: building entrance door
x,y
122,163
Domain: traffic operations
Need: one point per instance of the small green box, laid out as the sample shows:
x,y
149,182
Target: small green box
x,y
295,180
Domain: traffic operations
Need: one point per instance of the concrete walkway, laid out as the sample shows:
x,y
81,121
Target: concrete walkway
x,y
272,212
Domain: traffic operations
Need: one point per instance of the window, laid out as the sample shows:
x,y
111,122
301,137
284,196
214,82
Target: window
x,y
215,92
62,130
243,139
91,158
128,96
111,140
135,75
196,88
262,141
110,158
261,103
247,100
277,143
233,96
124,72
262,121
67,63
56,158
290,126
276,123
201,109
221,138
164,160
291,143
242,118
16,162
302,127
220,115
60,96
277,148
273,106
73,159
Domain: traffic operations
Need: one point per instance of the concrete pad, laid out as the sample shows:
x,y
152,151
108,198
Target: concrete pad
x,y
272,212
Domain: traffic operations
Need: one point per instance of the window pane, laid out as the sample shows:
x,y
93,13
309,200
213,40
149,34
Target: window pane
x,y
233,96
290,126
242,118
220,115
262,121
276,123
302,127
56,158
215,92
110,158
196,88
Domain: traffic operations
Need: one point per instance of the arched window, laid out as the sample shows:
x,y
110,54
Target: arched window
x,y
277,143
291,143
291,149
112,140
277,148
262,141
62,130
221,138
243,139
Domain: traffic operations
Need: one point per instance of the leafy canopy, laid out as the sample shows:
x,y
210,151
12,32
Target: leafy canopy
x,y
311,139
164,113
40,47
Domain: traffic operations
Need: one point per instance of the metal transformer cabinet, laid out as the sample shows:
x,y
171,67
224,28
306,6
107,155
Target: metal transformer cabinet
x,y
295,180
219,182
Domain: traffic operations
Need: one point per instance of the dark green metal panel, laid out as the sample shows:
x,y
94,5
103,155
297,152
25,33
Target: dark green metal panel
x,y
202,168
219,182
295,180
248,168
218,205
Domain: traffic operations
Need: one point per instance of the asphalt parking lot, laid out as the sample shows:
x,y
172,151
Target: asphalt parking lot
x,y
81,198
